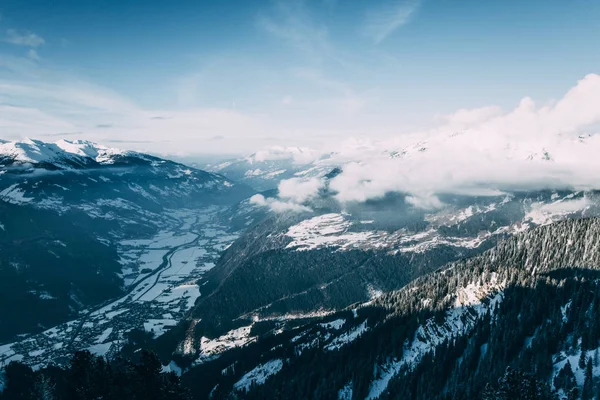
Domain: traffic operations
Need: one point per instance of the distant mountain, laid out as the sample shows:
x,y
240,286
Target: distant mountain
x,y
264,170
408,157
63,154
65,207
33,172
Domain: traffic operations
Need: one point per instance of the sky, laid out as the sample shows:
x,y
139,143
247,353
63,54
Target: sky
x,y
224,77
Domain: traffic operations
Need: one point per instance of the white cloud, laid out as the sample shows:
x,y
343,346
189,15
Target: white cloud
x,y
465,118
299,190
287,100
23,38
342,97
278,205
425,202
30,120
32,54
527,148
384,20
290,21
293,195
69,105
299,155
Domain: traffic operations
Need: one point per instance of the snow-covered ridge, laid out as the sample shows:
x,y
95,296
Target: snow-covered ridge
x,y
468,308
62,153
340,231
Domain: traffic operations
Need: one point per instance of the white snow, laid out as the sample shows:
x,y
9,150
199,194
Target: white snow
x,y
543,214
347,337
468,307
258,375
292,316
172,367
234,338
563,311
186,291
334,230
30,151
158,326
102,338
37,353
337,324
325,230
100,349
14,195
345,393
560,359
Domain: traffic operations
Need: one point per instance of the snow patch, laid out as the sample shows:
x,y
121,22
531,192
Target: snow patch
x,y
337,324
347,337
258,375
14,195
345,393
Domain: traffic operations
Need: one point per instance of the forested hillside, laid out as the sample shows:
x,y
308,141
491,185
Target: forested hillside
x,y
91,377
531,304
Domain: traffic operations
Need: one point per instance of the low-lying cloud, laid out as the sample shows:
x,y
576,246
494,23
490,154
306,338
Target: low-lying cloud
x,y
277,205
300,155
482,152
299,190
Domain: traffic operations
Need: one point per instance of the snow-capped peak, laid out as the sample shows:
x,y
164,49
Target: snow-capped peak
x,y
82,148
63,153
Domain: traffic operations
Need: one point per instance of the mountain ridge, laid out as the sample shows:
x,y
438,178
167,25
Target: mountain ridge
x,y
465,313
74,210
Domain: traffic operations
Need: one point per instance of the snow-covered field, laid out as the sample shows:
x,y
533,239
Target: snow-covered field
x,y
340,232
160,274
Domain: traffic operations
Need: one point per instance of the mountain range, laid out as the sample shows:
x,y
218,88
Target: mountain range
x,y
279,284
66,209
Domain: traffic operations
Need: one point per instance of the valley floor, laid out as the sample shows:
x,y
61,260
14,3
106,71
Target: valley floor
x,y
160,275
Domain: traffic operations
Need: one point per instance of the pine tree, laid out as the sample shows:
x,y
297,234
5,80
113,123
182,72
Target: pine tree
x,y
45,388
588,385
489,393
582,359
565,379
20,382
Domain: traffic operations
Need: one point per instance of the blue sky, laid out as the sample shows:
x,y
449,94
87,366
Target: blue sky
x,y
191,77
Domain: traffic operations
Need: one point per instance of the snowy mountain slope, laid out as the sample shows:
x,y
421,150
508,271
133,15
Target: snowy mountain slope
x,y
106,183
63,154
530,303
304,262
67,210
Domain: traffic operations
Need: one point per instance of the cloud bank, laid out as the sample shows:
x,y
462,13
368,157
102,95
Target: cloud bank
x,y
482,152
300,155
